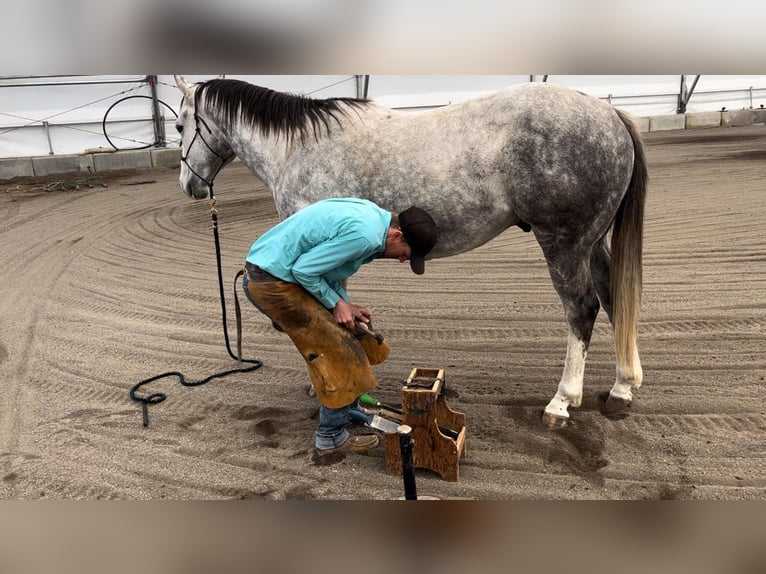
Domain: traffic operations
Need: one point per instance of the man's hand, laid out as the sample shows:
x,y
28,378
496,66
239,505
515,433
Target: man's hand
x,y
345,313
361,313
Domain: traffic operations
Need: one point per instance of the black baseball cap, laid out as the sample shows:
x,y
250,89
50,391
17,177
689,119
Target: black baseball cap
x,y
419,232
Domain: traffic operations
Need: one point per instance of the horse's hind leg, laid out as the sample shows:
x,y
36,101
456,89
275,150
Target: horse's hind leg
x,y
599,271
570,273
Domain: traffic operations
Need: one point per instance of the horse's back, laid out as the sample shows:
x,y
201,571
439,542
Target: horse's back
x,y
564,157
534,127
549,104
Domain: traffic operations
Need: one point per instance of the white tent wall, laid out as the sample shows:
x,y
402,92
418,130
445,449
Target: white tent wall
x,y
642,96
732,92
72,106
418,92
55,115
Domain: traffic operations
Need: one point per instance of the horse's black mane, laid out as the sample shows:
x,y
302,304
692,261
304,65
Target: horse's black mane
x,y
273,112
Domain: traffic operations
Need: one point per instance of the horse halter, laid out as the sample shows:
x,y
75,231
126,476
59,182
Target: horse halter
x,y
224,159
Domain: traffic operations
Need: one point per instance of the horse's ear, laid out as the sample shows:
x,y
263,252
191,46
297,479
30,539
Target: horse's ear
x,y
182,84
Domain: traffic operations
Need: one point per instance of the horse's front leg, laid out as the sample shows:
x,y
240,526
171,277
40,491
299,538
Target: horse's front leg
x,y
570,274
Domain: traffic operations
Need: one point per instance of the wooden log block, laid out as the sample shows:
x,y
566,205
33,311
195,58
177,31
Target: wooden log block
x,y
438,432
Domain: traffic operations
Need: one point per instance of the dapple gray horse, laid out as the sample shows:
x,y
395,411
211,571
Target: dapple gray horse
x,y
566,164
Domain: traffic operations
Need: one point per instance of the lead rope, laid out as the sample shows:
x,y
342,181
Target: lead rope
x,y
156,398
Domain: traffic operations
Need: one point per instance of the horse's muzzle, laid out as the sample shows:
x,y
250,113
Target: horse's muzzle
x,y
194,190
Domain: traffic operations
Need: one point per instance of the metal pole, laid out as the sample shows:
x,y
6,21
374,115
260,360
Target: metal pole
x,y
362,86
48,134
158,117
682,96
408,473
49,84
685,94
691,90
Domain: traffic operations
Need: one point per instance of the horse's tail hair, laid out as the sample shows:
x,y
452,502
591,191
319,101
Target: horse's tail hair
x,y
625,284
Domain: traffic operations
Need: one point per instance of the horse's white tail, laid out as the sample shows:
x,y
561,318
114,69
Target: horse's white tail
x,y
627,245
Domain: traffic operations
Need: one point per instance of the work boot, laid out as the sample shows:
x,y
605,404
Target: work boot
x,y
359,444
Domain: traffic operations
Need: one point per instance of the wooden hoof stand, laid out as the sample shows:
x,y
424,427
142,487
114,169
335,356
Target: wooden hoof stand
x,y
438,432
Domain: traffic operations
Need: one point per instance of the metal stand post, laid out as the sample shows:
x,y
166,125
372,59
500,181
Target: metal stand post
x,y
158,118
408,472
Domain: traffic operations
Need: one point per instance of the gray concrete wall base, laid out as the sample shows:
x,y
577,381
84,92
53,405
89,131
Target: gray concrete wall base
x,y
55,164
642,124
743,118
166,157
661,123
89,162
16,167
136,159
703,120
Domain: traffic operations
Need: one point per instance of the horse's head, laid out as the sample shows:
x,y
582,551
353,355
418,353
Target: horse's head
x,y
204,149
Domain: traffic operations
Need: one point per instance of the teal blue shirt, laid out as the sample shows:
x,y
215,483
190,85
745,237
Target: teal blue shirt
x,y
323,244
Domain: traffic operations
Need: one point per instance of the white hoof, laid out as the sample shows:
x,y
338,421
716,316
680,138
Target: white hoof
x,y
553,422
556,414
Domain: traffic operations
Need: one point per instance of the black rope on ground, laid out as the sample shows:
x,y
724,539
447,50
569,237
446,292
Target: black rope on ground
x,y
156,398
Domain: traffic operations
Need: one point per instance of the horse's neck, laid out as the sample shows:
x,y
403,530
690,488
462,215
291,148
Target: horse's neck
x,y
264,156
284,167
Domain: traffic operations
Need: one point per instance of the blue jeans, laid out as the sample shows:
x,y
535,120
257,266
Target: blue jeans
x,y
331,431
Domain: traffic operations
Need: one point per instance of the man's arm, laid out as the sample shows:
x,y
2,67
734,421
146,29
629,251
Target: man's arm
x,y
309,269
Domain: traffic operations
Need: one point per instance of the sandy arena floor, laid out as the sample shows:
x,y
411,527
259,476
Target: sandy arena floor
x,y
110,280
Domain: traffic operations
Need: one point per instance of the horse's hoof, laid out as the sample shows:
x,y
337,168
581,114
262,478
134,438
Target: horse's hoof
x,y
553,422
615,408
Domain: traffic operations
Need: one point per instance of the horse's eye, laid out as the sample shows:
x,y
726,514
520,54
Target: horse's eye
x,y
180,129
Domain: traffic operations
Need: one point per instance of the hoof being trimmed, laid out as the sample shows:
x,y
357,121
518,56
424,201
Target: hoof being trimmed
x,y
615,408
553,422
